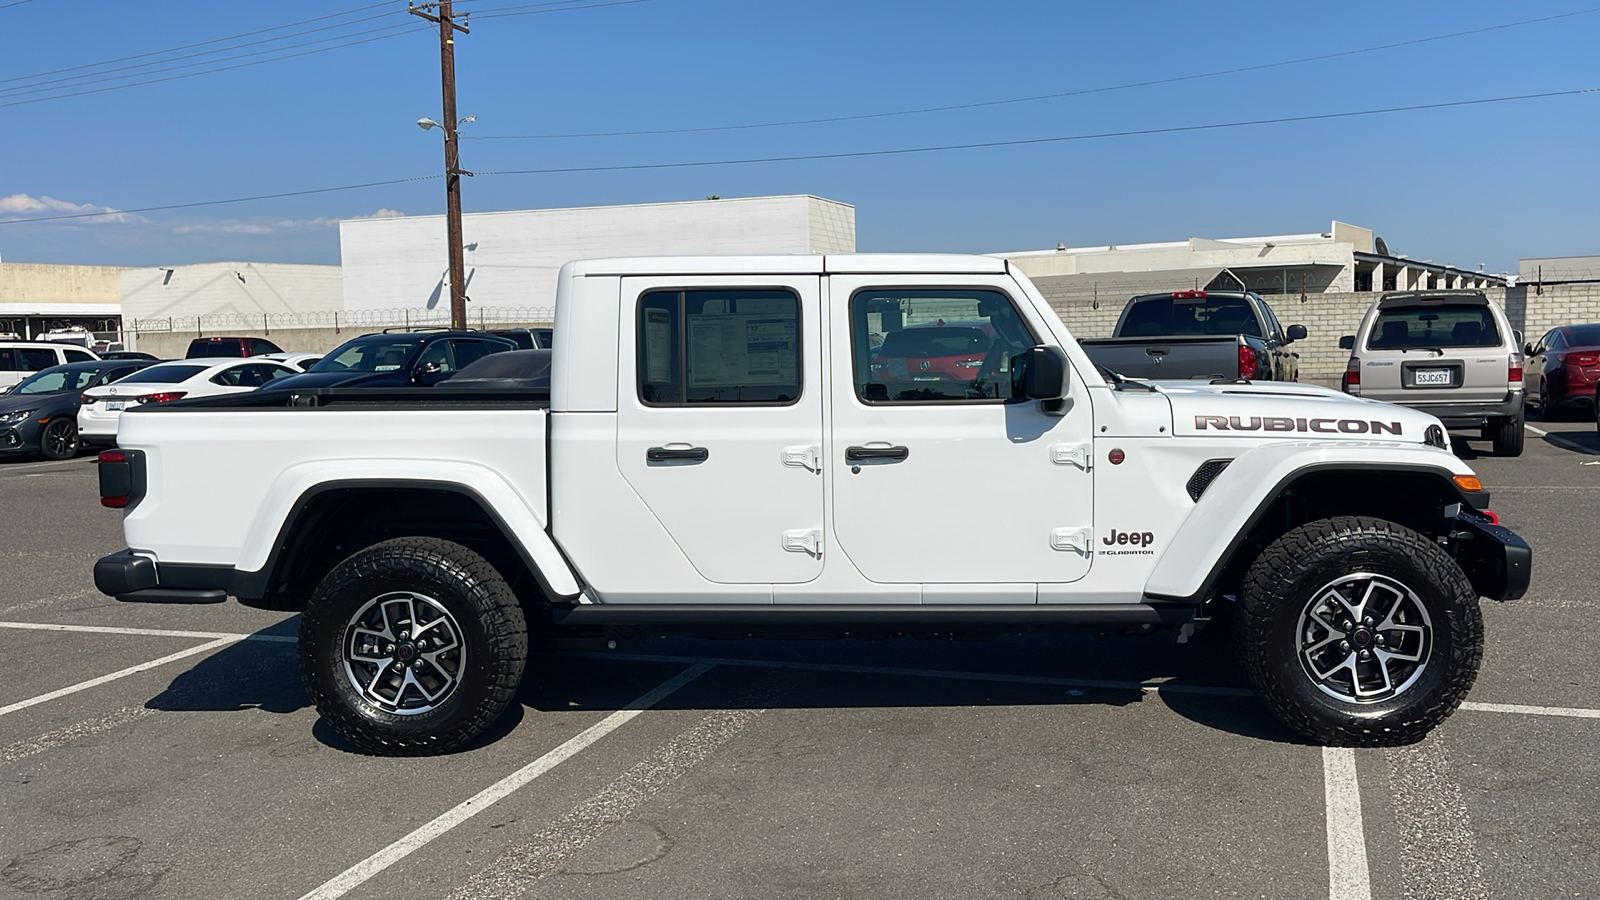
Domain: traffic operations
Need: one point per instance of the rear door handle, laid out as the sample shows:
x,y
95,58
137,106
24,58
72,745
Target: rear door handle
x,y
858,454
665,454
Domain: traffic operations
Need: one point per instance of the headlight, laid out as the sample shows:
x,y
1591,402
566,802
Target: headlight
x,y
16,418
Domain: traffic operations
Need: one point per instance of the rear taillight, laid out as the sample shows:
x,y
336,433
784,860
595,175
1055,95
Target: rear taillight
x,y
1247,361
1514,369
85,399
162,396
1352,376
116,479
1582,359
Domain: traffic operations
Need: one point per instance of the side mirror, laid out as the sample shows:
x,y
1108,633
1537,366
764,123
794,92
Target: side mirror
x,y
1040,373
1527,350
1348,342
1297,333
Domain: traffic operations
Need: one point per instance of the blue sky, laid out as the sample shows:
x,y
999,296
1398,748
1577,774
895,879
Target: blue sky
x,y
1485,184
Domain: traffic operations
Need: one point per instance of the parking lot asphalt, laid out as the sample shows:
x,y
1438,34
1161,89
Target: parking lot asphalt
x,y
154,751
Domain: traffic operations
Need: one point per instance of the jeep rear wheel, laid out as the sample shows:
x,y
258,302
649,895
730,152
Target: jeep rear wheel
x,y
1359,632
412,646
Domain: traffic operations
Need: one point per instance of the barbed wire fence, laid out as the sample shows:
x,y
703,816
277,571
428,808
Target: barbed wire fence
x,y
339,320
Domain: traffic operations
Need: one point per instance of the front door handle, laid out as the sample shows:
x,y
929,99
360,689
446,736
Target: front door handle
x,y
665,454
860,454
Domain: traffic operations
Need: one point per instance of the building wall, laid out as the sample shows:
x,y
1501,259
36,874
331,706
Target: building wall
x,y
512,257
225,289
38,283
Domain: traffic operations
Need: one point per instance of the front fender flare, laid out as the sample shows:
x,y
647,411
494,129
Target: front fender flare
x,y
1238,498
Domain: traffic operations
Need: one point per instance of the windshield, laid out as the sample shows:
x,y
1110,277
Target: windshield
x,y
163,374
368,356
1189,315
59,379
1441,325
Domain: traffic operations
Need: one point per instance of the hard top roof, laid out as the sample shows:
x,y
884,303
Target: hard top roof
x,y
833,264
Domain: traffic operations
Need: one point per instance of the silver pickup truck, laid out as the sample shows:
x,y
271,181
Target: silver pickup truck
x,y
1199,334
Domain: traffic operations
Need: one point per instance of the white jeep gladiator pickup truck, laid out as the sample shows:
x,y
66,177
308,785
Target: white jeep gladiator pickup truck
x,y
721,448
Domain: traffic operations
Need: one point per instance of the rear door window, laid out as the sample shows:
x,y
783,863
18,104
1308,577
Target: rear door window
x,y
35,359
468,352
714,347
1434,326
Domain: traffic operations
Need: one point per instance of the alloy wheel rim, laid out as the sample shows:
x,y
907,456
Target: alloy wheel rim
x,y
60,440
404,653
1364,638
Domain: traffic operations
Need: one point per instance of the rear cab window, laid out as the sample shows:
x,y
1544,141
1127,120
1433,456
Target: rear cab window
x,y
1434,325
1190,315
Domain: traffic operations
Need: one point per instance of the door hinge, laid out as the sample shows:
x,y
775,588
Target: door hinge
x,y
1072,455
806,540
1076,539
809,458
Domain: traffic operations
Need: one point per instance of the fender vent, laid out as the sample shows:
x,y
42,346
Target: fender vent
x,y
1203,476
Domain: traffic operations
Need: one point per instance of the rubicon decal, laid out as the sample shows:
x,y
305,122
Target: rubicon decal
x,y
1303,426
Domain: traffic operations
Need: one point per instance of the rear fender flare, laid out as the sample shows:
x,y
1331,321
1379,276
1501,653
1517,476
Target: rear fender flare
x,y
521,522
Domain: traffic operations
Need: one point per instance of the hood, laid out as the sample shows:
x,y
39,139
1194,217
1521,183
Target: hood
x,y
337,379
1282,410
14,402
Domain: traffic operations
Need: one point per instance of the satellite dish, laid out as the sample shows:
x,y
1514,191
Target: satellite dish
x,y
1380,246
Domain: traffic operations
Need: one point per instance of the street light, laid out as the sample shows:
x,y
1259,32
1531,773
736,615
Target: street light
x,y
453,173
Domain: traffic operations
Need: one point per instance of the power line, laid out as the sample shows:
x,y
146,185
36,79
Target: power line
x,y
205,43
1178,129
1038,97
488,14
14,3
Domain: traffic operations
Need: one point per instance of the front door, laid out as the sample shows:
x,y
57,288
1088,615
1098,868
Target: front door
x,y
940,476
719,421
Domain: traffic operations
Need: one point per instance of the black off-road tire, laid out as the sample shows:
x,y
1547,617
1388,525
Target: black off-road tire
x,y
1287,578
491,625
59,439
1507,435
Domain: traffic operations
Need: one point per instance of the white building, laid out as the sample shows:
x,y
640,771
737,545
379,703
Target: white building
x,y
1343,258
229,293
512,257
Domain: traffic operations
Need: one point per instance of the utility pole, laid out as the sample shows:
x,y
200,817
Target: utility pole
x,y
452,160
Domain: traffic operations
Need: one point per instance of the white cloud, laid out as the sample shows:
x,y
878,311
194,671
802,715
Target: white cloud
x,y
274,226
383,214
28,207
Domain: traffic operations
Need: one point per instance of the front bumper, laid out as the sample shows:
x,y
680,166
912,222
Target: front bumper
x,y
135,578
1467,415
1496,560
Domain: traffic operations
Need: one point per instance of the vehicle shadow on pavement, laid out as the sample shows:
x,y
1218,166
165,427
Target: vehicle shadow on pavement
x,y
1586,443
243,675
1091,673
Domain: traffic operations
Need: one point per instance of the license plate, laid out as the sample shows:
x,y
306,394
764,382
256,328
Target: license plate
x,y
1433,377
116,405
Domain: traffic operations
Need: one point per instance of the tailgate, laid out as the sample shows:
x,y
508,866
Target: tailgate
x,y
1167,357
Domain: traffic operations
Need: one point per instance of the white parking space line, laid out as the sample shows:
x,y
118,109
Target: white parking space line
x,y
1520,709
1539,431
1348,878
359,873
149,632
120,673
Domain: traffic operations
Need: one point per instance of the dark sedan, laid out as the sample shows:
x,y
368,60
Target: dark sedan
x,y
1563,368
397,360
40,415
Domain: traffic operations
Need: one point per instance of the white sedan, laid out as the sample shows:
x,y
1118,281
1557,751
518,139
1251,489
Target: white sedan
x,y
301,361
162,382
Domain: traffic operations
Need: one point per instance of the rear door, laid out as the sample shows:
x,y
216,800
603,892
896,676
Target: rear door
x,y
719,420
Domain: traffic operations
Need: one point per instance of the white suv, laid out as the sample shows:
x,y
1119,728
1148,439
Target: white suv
x,y
20,359
1451,354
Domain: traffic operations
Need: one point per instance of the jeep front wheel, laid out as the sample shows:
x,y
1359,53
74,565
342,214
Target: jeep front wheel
x,y
1359,632
412,646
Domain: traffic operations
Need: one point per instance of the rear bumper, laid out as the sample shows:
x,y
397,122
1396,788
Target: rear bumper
x,y
1467,415
1497,561
135,578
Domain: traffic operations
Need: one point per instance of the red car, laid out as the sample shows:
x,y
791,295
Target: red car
x,y
938,352
1563,368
